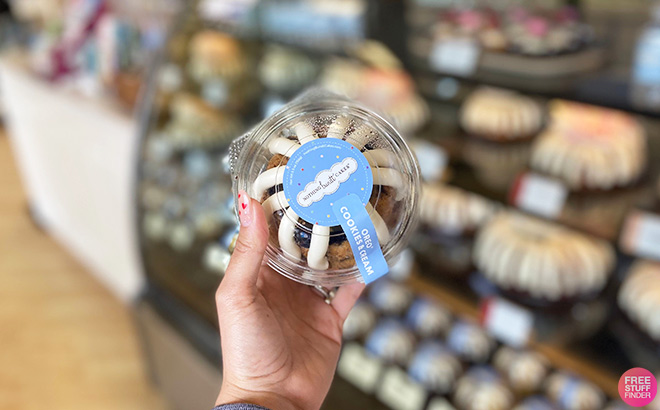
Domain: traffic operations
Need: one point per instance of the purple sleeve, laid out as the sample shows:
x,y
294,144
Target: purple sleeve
x,y
239,406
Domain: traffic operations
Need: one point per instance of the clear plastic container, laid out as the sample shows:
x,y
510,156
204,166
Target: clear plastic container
x,y
313,248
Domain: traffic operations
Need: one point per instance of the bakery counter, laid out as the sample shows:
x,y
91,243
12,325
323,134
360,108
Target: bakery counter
x,y
75,154
517,173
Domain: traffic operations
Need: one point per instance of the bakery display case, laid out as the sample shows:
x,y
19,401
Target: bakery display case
x,y
519,288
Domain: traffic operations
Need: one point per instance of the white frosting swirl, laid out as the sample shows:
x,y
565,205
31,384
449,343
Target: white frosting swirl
x,y
545,260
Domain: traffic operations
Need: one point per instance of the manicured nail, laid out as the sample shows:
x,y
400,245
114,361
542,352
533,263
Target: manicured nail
x,y
244,209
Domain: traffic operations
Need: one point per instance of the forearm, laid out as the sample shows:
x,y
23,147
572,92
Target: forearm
x,y
233,395
239,406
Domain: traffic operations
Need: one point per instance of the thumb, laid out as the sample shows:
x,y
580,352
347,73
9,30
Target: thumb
x,y
243,269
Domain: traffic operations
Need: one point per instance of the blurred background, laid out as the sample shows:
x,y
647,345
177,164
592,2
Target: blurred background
x,y
532,282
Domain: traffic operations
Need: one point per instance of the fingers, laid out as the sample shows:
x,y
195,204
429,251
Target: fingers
x,y
243,270
346,298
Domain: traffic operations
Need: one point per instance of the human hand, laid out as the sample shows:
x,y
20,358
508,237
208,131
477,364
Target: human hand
x,y
280,340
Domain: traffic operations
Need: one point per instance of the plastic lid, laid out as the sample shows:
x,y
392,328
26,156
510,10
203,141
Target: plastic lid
x,y
304,161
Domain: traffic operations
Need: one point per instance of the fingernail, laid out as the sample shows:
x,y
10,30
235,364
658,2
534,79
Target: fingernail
x,y
244,209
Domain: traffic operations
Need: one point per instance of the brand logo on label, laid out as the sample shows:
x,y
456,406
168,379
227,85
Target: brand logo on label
x,y
327,182
320,173
638,387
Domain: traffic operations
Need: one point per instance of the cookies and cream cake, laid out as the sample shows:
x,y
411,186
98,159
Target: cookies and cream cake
x,y
338,185
535,403
391,341
435,367
481,388
524,370
389,297
320,246
639,297
500,115
573,393
541,259
590,147
470,342
428,318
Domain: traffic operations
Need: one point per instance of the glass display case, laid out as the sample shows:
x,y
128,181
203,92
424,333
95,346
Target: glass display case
x,y
226,68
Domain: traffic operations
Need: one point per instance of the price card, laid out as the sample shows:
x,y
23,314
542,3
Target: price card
x,y
400,392
641,235
508,322
432,160
539,195
359,367
456,56
439,403
219,10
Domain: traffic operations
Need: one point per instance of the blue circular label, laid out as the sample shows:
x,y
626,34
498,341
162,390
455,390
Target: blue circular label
x,y
321,172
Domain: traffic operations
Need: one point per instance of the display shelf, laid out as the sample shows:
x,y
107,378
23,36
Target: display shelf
x,y
577,211
600,87
606,379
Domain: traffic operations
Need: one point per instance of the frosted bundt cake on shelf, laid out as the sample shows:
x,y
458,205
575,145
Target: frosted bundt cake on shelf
x,y
194,123
496,165
285,70
542,260
453,211
377,79
500,115
590,148
639,297
214,55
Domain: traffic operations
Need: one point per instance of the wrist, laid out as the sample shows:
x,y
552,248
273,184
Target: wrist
x,y
230,394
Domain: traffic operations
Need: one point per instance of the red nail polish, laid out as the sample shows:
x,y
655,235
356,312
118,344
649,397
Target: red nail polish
x,y
244,210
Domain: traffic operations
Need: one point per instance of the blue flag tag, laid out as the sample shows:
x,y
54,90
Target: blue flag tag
x,y
351,213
